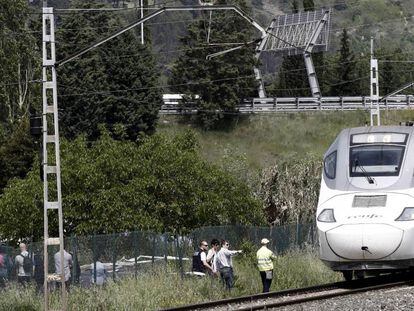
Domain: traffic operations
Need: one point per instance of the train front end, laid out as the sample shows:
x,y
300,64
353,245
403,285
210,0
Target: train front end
x,y
365,213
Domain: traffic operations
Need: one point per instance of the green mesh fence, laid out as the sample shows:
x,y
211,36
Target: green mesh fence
x,y
131,253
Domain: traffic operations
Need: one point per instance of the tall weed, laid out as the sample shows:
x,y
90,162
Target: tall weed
x,y
163,287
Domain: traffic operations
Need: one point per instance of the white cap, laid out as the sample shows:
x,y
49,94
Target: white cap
x,y
264,241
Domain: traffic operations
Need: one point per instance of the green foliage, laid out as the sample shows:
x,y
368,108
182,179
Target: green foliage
x,y
308,5
295,6
249,252
394,70
292,79
111,186
156,289
290,190
346,70
263,140
338,74
19,58
114,84
222,81
257,3
16,153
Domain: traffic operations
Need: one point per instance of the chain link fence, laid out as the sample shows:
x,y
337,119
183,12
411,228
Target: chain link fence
x,y
131,253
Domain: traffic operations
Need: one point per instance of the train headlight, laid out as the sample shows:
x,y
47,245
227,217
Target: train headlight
x,y
327,215
407,214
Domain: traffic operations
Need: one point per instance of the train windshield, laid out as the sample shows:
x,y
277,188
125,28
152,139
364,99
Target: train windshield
x,y
376,160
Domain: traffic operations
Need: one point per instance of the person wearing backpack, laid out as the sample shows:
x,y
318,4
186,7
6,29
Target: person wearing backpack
x,y
24,265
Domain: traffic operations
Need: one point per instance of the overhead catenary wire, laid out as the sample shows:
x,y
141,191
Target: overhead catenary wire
x,y
301,69
265,75
158,5
104,92
332,30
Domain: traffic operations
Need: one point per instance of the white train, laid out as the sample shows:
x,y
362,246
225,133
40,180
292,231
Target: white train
x,y
365,214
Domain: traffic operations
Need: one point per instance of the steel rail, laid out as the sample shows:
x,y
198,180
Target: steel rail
x,y
322,296
253,302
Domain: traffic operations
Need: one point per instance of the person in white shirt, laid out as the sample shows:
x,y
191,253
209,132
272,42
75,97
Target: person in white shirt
x,y
212,253
67,265
24,265
98,272
224,264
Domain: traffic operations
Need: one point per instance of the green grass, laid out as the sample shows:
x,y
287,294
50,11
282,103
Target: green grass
x,y
163,287
262,139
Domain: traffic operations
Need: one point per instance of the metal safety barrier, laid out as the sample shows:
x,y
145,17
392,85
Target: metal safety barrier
x,y
293,104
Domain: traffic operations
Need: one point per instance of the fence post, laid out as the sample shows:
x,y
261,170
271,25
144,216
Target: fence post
x,y
114,256
297,230
311,234
135,246
153,249
166,249
179,255
94,257
75,258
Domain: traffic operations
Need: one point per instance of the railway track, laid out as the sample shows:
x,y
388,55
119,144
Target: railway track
x,y
301,295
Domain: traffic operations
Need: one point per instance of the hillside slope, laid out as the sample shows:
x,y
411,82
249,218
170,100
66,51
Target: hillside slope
x,y
262,140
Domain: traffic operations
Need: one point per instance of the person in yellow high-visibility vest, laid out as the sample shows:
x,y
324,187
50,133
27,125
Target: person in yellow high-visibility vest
x,y
265,259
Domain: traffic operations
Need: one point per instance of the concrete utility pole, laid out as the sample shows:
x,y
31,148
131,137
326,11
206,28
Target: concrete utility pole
x,y
52,193
374,87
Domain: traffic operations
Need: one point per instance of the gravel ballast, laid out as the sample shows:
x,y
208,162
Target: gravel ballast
x,y
400,298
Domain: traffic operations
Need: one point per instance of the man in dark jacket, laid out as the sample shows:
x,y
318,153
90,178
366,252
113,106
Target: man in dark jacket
x,y
200,264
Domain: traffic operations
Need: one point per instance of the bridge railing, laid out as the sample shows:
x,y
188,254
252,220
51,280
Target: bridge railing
x,y
297,104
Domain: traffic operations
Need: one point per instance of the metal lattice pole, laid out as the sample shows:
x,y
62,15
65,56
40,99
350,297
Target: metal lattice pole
x,y
52,196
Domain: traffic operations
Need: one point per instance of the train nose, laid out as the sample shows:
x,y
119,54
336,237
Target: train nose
x,y
364,241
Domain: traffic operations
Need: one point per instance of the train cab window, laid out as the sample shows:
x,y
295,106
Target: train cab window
x,y
378,154
329,165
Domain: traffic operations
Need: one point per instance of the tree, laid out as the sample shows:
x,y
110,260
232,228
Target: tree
x,y
393,72
292,78
19,69
290,190
222,81
257,3
295,6
308,5
19,58
16,153
346,70
115,84
387,77
112,186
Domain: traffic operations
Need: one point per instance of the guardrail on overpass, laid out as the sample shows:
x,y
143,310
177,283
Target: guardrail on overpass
x,y
295,104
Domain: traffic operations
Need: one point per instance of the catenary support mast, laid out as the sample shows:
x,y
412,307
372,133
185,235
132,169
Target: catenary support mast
x,y
374,88
52,193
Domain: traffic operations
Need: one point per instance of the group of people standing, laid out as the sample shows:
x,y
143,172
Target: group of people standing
x,y
29,266
218,261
